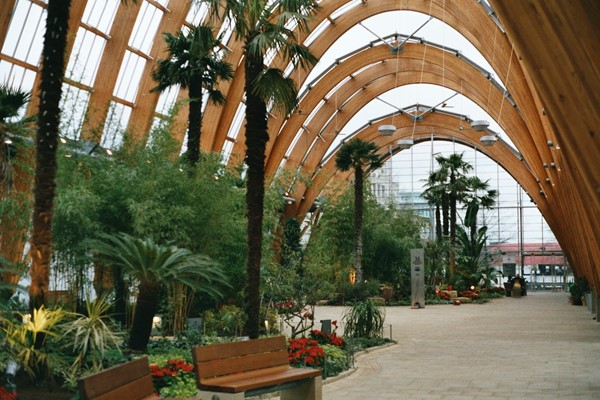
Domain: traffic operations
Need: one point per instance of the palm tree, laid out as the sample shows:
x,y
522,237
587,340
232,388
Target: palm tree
x,y
263,27
435,193
358,155
153,265
46,143
474,200
455,168
11,101
193,64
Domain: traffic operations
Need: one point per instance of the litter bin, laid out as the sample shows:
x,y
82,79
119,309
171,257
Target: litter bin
x,y
326,326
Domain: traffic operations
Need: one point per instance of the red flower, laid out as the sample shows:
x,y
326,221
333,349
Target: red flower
x,y
6,395
305,352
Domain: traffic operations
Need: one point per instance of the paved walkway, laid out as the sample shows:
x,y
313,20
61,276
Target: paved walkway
x,y
535,347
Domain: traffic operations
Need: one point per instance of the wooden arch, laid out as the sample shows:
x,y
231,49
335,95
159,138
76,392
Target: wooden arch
x,y
547,60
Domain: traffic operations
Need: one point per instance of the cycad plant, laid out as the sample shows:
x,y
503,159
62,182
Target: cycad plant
x,y
153,265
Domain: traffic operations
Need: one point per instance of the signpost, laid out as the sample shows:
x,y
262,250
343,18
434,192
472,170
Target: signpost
x,y
417,275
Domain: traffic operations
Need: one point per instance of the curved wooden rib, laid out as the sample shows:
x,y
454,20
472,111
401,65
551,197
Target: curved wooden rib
x,y
559,47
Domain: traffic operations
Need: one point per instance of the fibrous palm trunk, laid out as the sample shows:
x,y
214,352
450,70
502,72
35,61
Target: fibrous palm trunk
x,y
55,41
438,223
194,121
256,140
358,220
452,200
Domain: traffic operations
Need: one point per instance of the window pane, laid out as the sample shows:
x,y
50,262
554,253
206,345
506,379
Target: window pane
x,y
129,76
116,122
85,58
73,106
25,35
100,14
145,28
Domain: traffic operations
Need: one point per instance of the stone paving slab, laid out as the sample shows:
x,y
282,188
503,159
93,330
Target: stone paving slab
x,y
535,347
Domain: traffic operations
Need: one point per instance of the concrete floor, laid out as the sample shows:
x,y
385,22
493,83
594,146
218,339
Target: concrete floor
x,y
535,347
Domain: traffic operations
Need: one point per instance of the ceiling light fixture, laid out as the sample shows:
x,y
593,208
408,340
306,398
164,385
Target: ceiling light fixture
x,y
405,144
387,130
488,140
480,125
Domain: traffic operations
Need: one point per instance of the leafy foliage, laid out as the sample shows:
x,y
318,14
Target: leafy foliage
x,y
153,265
336,360
26,340
145,192
174,378
93,333
364,319
389,233
229,320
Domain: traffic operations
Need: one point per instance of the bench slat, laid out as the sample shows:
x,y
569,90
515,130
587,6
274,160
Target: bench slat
x,y
245,363
253,366
137,389
138,371
237,349
246,381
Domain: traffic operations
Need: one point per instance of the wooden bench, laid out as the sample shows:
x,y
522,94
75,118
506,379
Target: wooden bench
x,y
232,371
128,381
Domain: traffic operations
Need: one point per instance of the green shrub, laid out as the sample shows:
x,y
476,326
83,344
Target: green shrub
x,y
360,291
227,321
174,378
361,343
364,319
336,360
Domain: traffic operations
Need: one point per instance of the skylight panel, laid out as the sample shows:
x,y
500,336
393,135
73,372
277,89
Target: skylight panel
x,y
25,38
345,8
16,76
129,76
145,27
236,124
73,105
317,32
226,152
197,13
116,122
100,14
85,57
167,99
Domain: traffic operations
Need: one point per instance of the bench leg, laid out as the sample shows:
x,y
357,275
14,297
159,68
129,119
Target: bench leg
x,y
206,395
309,390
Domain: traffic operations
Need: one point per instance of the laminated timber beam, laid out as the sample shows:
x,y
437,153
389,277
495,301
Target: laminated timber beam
x,y
142,114
559,47
108,72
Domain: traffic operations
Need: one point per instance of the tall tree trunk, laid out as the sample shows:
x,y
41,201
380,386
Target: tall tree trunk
x,y
145,308
438,223
453,200
256,140
53,66
358,222
194,121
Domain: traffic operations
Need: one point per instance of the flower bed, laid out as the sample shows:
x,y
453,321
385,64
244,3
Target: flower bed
x,y
174,378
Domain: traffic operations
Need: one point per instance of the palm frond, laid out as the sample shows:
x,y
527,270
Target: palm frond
x,y
272,85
